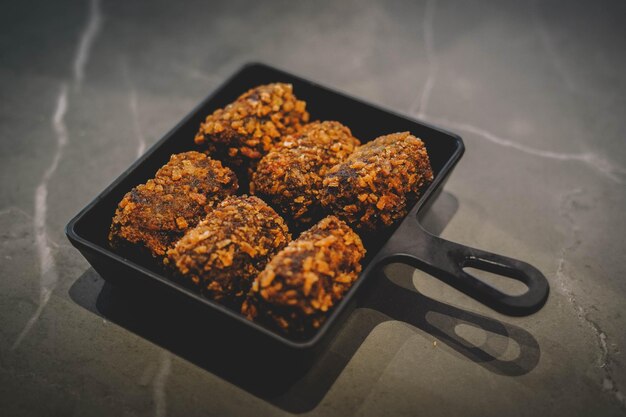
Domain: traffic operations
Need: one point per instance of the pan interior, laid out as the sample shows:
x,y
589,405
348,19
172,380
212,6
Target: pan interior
x,y
366,122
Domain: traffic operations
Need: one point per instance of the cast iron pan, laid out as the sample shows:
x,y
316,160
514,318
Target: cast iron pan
x,y
407,242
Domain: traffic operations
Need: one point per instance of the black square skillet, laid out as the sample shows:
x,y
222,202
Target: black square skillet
x,y
407,242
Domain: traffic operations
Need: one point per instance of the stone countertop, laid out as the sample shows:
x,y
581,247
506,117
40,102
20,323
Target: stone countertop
x,y
537,91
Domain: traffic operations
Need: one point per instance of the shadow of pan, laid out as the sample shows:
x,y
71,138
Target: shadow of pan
x,y
301,390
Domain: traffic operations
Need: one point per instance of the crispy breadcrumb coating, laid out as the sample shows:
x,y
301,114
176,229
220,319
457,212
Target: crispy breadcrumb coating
x,y
290,176
379,182
156,214
305,280
241,133
226,251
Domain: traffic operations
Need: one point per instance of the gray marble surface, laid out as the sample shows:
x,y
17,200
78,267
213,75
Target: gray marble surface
x,y
536,89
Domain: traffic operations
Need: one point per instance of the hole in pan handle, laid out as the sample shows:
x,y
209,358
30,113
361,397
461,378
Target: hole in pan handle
x,y
445,260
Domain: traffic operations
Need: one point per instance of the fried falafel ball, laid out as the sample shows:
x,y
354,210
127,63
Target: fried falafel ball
x,y
305,280
244,131
379,182
290,176
156,214
227,250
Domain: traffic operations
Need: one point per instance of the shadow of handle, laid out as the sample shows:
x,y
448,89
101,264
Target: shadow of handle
x,y
441,321
445,260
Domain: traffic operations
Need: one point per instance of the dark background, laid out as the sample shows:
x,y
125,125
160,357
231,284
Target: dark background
x,y
537,91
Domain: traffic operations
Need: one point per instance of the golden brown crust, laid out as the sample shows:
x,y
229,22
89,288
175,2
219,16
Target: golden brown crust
x,y
225,251
379,182
244,131
290,176
156,214
305,280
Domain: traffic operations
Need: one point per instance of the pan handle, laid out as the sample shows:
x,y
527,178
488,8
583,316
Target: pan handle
x,y
445,260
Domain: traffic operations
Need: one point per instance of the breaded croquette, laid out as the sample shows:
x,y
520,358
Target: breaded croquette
x,y
241,133
290,176
226,251
305,280
379,182
156,214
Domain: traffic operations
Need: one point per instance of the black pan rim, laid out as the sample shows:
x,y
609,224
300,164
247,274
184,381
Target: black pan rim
x,y
375,263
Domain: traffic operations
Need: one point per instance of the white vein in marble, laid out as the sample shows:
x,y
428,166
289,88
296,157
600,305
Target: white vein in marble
x,y
592,160
133,104
16,210
195,73
48,274
159,384
561,276
86,40
420,104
